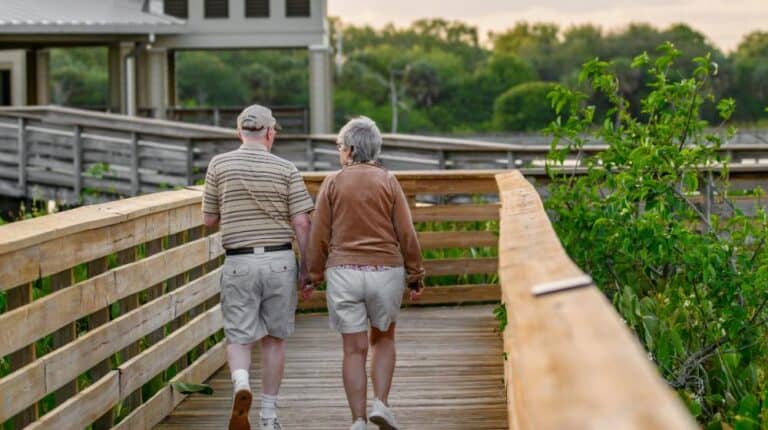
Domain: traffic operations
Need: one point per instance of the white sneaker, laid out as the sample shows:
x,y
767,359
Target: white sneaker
x,y
383,416
270,424
358,425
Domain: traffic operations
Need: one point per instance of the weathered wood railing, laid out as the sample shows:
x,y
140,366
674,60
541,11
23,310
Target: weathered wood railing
x,y
571,363
68,154
105,304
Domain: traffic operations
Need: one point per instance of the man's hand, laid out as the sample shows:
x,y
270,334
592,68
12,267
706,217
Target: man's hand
x,y
415,289
305,286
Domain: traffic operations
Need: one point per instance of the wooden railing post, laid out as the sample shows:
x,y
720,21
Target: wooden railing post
x,y
77,161
65,335
511,160
128,304
310,155
22,152
16,298
135,177
190,161
96,319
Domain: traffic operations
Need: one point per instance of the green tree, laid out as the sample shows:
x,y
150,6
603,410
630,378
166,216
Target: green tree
x,y
524,107
751,63
688,281
79,77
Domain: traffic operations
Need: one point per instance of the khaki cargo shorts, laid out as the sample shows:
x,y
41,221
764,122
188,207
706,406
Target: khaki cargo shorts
x,y
356,296
258,296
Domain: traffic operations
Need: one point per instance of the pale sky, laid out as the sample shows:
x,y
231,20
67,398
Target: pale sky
x,y
724,22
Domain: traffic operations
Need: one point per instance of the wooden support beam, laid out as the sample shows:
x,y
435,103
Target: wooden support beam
x,y
22,150
77,161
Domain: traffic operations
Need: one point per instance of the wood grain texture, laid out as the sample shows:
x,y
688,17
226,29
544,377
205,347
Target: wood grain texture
x,y
468,212
51,312
25,386
571,362
84,408
457,239
449,376
159,406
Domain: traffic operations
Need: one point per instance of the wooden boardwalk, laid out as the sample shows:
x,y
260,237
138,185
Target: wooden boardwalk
x,y
449,376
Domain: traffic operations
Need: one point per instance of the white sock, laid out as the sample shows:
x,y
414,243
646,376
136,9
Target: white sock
x,y
240,379
268,406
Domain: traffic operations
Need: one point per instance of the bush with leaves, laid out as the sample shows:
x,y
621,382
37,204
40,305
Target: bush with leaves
x,y
524,107
689,282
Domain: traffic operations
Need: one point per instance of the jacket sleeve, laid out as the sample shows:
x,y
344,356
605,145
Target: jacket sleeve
x,y
320,237
406,234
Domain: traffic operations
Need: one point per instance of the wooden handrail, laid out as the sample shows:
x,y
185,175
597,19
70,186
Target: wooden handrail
x,y
570,360
144,273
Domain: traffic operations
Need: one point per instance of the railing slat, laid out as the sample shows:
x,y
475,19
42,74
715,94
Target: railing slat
x,y
154,410
46,314
67,363
84,408
135,372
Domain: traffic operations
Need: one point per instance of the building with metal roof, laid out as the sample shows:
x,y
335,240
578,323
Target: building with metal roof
x,y
142,37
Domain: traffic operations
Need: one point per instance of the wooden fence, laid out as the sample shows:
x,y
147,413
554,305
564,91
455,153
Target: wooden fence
x,y
570,360
107,303
72,155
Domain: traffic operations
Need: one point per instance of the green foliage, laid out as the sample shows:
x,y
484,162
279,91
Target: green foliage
x,y
79,77
691,284
445,79
240,78
524,107
500,313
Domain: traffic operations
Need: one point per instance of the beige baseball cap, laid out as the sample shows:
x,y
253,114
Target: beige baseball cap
x,y
256,118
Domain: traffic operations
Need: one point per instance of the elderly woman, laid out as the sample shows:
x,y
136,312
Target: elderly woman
x,y
364,246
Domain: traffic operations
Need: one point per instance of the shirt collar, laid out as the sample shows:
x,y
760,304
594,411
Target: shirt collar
x,y
253,146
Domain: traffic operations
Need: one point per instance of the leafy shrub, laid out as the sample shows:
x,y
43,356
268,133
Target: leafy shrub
x,y
524,107
691,284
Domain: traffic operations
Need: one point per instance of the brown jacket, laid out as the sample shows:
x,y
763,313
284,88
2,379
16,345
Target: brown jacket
x,y
362,217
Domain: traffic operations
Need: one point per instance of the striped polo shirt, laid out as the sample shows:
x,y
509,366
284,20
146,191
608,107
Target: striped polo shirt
x,y
255,194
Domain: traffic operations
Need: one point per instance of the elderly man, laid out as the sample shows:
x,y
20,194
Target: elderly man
x,y
261,203
364,245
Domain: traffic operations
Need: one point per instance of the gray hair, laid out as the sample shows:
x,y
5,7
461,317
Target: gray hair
x,y
364,137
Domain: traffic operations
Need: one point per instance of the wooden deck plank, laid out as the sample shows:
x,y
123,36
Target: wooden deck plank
x,y
449,375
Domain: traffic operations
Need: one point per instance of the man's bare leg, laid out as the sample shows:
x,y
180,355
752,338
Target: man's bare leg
x,y
239,359
272,368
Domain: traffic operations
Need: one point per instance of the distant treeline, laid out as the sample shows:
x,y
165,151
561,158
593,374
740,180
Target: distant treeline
x,y
444,78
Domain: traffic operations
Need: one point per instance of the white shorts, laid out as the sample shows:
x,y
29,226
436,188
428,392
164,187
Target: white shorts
x,y
354,297
258,296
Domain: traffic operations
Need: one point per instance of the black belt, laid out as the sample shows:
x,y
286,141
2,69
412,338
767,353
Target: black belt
x,y
275,248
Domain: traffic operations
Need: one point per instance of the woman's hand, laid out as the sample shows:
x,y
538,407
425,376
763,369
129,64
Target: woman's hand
x,y
305,293
415,290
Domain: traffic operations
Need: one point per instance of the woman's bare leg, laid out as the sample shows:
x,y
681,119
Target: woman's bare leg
x,y
383,363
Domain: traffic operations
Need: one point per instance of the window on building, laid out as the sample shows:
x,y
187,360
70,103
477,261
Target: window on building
x,y
216,8
257,8
297,8
5,88
177,8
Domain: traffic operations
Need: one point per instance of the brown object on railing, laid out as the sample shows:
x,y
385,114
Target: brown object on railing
x,y
570,361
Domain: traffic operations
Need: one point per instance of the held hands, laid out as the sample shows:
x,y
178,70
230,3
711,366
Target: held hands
x,y
415,290
305,286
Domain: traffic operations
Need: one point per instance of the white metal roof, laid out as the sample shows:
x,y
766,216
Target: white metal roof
x,y
83,16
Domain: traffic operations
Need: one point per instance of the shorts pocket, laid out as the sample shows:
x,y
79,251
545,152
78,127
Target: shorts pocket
x,y
235,270
281,266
